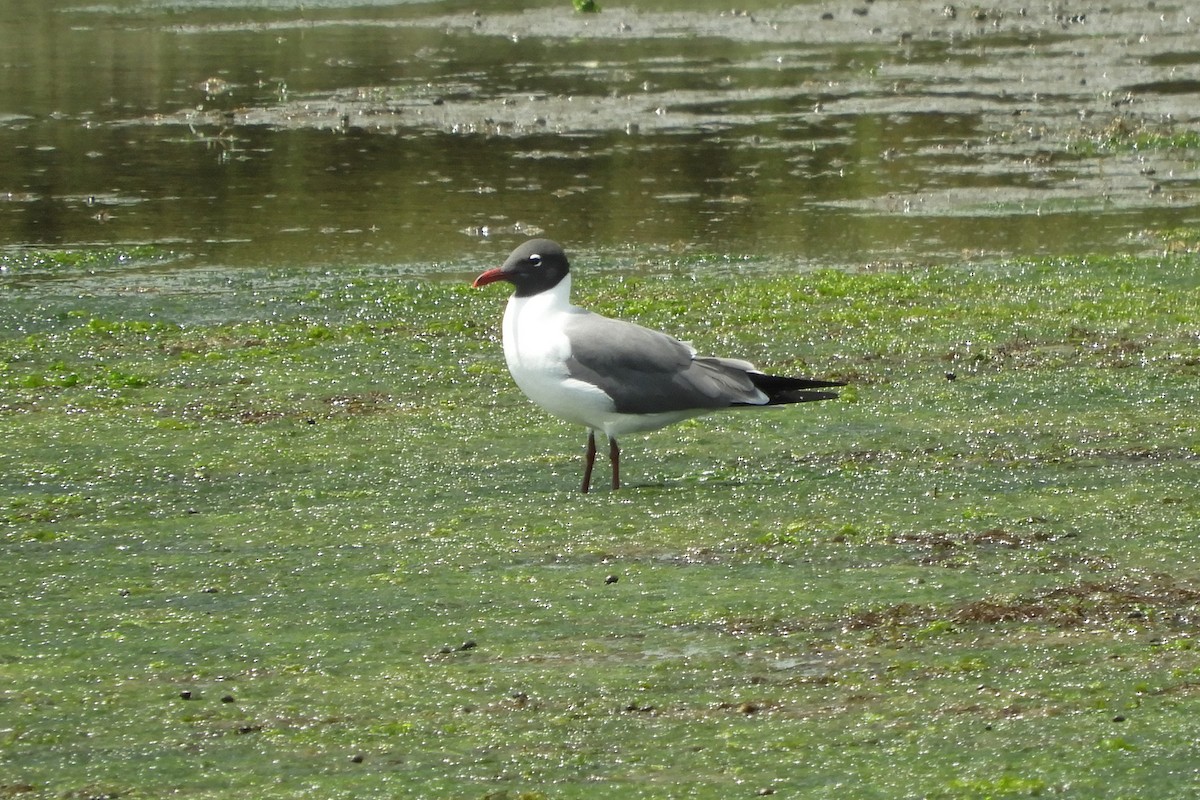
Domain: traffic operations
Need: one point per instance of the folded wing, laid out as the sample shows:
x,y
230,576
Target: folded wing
x,y
648,372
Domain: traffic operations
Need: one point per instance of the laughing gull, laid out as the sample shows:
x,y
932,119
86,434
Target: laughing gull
x,y
614,376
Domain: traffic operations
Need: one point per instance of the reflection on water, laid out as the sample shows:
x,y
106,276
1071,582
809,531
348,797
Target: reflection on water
x,y
326,133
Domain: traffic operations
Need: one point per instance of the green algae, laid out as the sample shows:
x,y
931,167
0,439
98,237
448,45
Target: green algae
x,y
315,542
1135,134
20,261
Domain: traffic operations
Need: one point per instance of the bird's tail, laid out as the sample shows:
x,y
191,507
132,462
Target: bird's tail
x,y
781,389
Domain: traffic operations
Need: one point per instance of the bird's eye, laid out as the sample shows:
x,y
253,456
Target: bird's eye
x,y
536,260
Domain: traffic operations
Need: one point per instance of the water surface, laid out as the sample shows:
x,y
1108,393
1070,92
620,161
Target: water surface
x,y
430,134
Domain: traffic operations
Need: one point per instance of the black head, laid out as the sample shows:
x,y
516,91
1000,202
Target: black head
x,y
534,267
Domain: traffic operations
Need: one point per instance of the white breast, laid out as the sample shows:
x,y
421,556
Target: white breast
x,y
536,349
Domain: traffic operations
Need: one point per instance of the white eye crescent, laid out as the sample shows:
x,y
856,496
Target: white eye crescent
x,y
536,260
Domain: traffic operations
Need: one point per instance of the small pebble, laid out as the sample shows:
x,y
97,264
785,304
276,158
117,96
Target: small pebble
x,y
228,699
611,578
357,758
185,695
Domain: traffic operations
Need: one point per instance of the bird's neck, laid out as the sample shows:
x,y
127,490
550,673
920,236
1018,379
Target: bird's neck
x,y
533,326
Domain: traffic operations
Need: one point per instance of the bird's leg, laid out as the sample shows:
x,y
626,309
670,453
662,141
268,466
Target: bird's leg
x,y
589,458
614,455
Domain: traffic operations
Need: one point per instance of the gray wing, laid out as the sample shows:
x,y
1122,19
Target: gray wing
x,y
647,372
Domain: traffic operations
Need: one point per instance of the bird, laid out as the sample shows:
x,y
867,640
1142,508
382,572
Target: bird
x,y
613,376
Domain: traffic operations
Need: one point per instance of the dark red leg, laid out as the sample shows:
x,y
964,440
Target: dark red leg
x,y
589,459
614,455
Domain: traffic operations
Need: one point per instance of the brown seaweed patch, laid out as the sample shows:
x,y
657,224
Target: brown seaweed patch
x,y
307,409
947,549
1158,602
995,537
358,405
1161,601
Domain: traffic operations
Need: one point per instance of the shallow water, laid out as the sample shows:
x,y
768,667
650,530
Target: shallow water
x,y
433,134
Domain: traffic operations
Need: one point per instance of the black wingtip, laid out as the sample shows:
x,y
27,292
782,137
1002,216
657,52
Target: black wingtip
x,y
782,398
781,389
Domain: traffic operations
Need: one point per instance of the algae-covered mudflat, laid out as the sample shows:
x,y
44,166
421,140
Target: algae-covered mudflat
x,y
278,538
275,522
